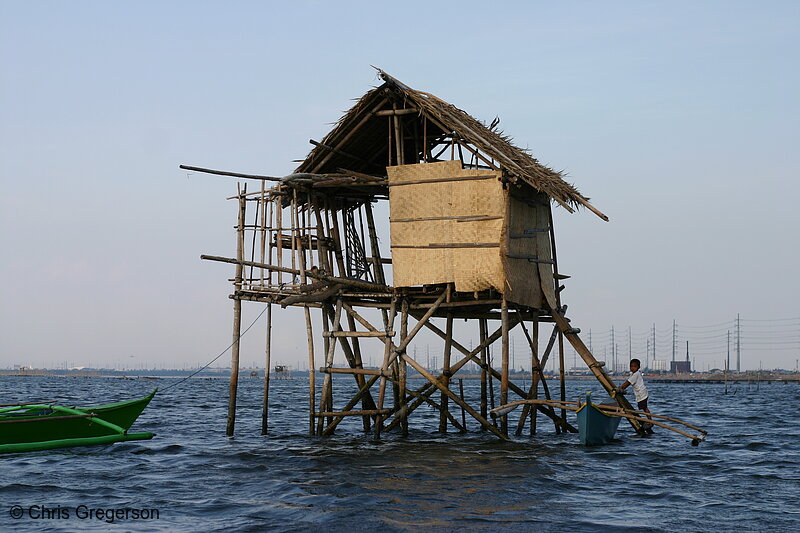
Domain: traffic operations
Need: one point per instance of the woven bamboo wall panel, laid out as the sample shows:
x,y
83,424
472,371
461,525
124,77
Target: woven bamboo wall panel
x,y
524,286
430,218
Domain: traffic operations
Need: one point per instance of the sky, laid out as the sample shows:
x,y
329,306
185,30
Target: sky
x,y
680,120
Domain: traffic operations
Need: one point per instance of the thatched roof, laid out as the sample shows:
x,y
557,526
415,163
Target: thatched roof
x,y
360,141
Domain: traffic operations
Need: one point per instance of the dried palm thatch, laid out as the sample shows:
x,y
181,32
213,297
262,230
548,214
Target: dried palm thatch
x,y
358,141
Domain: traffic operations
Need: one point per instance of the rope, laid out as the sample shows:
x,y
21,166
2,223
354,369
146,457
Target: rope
x,y
217,357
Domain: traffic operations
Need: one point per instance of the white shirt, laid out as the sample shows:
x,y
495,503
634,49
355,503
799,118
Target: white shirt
x,y
637,382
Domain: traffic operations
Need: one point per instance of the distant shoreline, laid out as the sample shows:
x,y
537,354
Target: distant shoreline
x,y
696,378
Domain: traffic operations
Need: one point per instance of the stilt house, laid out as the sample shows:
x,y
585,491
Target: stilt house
x,y
471,237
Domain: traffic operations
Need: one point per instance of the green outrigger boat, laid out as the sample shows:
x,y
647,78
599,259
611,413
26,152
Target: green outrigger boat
x,y
34,427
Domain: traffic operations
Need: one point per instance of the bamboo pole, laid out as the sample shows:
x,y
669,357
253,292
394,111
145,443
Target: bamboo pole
x,y
448,344
263,229
461,394
403,370
491,384
398,135
312,273
357,371
380,275
326,402
536,374
561,374
362,412
279,239
267,355
482,326
534,360
309,331
237,319
504,374
558,304
387,360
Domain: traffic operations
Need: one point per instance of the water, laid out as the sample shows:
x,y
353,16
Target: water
x,y
745,476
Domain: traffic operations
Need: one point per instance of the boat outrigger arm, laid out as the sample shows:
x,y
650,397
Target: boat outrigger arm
x,y
611,410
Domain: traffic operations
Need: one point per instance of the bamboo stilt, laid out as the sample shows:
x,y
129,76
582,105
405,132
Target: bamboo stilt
x,y
448,344
534,360
309,330
483,363
326,402
504,373
387,360
461,395
237,319
403,370
267,356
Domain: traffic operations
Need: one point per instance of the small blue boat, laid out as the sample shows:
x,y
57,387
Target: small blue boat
x,y
594,426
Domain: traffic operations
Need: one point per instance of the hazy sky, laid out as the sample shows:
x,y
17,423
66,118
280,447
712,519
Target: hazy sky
x,y
679,119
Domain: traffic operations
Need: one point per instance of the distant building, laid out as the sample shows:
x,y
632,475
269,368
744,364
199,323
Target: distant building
x,y
680,367
658,365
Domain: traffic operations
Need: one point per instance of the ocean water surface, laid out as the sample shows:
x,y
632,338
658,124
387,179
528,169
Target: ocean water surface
x,y
191,477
